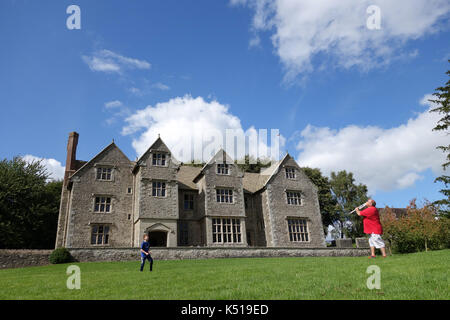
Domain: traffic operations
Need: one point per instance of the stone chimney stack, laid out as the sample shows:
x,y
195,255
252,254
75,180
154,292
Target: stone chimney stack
x,y
71,166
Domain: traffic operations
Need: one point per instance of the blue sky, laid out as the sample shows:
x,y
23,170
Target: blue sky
x,y
342,96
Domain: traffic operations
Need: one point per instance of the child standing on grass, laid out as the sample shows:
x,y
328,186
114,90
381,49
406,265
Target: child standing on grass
x,y
372,226
145,253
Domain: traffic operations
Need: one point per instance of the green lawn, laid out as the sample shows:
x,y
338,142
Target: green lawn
x,y
422,275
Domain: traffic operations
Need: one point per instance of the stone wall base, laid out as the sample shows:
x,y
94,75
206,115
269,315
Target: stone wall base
x,y
26,258
12,258
127,254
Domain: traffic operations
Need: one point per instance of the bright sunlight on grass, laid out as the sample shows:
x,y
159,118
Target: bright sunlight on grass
x,y
422,275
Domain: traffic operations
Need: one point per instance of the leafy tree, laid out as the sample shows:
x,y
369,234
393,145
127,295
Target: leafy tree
x,y
255,166
348,196
327,202
418,229
29,205
47,212
422,222
442,95
194,163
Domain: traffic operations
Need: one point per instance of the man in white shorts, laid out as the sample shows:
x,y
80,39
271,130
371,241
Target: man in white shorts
x,y
372,226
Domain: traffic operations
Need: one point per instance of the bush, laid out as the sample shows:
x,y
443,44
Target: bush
x,y
419,229
60,255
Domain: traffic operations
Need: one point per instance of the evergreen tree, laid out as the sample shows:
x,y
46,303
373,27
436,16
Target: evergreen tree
x,y
442,95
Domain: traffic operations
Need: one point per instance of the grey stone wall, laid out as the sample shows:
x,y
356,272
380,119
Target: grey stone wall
x,y
210,182
157,213
23,258
254,220
279,210
362,243
61,232
267,217
84,190
194,232
158,207
344,243
127,254
26,258
188,214
232,181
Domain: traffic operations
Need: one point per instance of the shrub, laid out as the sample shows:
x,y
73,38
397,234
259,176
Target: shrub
x,y
419,229
60,255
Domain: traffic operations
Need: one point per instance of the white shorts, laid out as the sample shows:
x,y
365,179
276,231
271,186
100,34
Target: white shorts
x,y
376,241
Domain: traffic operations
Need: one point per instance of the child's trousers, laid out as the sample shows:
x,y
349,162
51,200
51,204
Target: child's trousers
x,y
150,259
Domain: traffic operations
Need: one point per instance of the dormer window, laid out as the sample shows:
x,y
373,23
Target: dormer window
x,y
223,168
104,174
290,173
159,159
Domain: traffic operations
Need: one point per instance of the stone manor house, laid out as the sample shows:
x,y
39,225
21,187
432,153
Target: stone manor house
x,y
111,201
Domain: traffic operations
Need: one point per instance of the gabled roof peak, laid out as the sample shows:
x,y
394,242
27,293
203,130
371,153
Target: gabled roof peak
x,y
158,145
108,147
221,156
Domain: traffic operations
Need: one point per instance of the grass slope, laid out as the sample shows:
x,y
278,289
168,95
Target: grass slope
x,y
422,275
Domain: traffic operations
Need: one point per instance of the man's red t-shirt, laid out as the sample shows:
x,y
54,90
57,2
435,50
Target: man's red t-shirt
x,y
371,221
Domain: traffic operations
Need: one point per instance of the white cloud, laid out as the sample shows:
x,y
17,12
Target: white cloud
x,y
113,104
110,62
98,64
185,120
117,110
135,91
54,167
383,159
161,86
255,41
304,29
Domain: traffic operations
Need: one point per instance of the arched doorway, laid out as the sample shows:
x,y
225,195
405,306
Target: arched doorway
x,y
157,238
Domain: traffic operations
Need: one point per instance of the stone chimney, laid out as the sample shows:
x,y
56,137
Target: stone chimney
x,y
71,162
